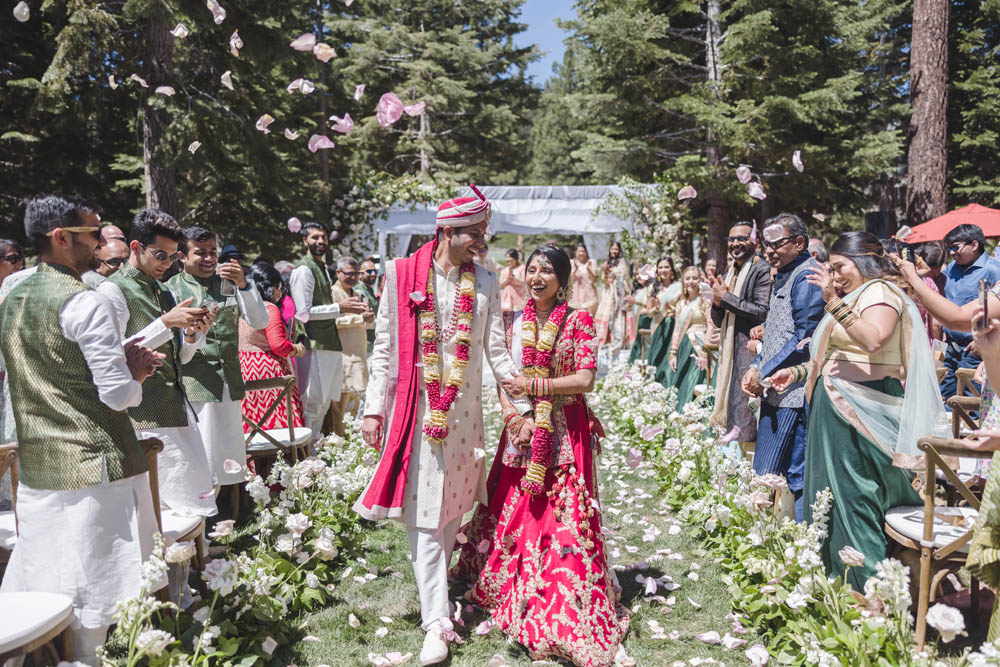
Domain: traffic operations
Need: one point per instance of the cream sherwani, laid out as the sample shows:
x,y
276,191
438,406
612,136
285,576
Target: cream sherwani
x,y
443,482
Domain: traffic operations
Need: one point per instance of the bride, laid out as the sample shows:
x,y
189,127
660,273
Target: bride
x,y
544,576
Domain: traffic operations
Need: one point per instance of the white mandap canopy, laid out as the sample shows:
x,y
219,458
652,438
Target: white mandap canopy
x,y
519,209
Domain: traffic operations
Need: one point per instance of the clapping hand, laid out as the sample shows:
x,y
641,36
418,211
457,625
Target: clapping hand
x,y
719,290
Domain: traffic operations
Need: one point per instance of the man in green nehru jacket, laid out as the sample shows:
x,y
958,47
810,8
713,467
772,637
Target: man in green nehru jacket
x,y
85,511
212,379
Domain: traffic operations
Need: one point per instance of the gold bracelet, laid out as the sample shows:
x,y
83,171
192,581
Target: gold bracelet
x,y
833,304
848,319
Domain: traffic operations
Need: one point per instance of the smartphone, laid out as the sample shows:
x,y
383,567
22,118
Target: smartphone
x,y
907,254
983,304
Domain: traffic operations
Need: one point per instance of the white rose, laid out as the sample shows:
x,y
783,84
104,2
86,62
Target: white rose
x,y
179,552
258,490
153,642
851,557
948,621
222,529
297,523
285,543
312,581
325,548
221,575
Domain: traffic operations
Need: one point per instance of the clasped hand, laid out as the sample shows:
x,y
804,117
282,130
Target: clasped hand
x,y
522,439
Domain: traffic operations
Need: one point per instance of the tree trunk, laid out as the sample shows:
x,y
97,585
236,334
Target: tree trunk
x,y
160,179
926,194
718,209
425,158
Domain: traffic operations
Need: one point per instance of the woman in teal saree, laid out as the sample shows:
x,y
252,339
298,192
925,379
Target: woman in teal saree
x,y
662,297
685,358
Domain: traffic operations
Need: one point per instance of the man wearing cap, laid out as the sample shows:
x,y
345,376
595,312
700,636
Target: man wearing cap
x,y
439,313
320,371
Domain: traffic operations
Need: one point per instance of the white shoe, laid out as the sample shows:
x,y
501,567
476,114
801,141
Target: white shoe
x,y
435,648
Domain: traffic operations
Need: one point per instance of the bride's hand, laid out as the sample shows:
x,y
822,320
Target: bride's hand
x,y
526,433
516,386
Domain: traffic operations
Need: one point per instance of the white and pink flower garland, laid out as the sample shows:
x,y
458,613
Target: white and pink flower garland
x,y
536,359
436,428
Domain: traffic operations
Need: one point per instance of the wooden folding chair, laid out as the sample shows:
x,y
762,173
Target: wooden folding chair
x,y
173,526
711,352
644,336
8,518
31,622
940,534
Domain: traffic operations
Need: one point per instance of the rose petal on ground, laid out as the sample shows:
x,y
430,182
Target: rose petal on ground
x,y
227,79
687,192
319,141
381,632
710,637
218,13
756,190
461,538
694,604
164,90
651,585
484,627
743,174
731,642
353,621
757,655
304,42
415,109
497,661
674,530
389,109
263,122
193,147
139,80
22,12
385,619
483,546
342,125
797,161
180,31
310,638
324,52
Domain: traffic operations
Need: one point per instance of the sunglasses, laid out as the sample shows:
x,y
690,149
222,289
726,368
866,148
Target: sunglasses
x,y
955,247
737,239
96,231
161,255
777,243
12,258
371,272
114,262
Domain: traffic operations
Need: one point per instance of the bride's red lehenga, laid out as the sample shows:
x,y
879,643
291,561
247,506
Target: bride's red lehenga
x,y
544,576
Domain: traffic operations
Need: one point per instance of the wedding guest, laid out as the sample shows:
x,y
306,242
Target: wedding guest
x,y
351,328
930,258
641,316
795,308
612,318
863,426
11,258
112,256
687,368
661,304
87,524
739,303
264,354
536,557
368,288
484,260
818,251
583,282
711,268
212,379
320,371
512,289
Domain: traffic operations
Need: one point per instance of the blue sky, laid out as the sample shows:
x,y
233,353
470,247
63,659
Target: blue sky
x,y
540,16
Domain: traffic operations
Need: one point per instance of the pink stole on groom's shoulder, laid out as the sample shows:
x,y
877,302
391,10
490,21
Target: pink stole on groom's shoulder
x,y
389,483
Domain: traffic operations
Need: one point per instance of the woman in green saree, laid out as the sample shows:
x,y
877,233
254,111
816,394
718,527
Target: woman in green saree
x,y
644,278
863,425
686,363
662,296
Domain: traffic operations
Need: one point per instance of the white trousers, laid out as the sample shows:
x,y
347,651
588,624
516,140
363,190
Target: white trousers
x,y
221,426
430,554
184,471
320,375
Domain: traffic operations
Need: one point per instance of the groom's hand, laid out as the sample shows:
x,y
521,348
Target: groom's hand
x,y
371,431
525,434
515,387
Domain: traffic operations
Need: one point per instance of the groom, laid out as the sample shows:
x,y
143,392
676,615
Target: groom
x,y
439,313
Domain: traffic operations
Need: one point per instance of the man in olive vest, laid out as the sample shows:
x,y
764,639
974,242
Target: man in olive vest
x,y
212,379
320,371
351,329
85,510
144,308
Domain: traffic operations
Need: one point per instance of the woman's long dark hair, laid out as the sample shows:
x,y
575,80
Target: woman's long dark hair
x,y
559,260
613,261
867,253
657,285
265,278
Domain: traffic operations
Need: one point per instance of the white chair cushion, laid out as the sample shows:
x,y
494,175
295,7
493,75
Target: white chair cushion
x,y
8,531
259,444
176,526
909,521
25,617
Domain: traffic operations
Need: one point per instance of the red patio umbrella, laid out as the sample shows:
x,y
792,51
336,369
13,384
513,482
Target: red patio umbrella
x,y
987,219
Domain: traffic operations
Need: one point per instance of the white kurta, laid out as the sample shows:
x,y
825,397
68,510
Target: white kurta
x,y
185,476
88,543
443,482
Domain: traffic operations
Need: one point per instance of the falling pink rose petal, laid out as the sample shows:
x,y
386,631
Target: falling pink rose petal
x,y
235,43
484,627
710,637
819,216
291,135
342,125
231,466
390,109
803,343
294,225
263,122
139,80
227,79
743,174
687,192
319,141
164,90
461,538
359,90
304,42
732,435
218,13
348,3
294,85
417,297
324,52
797,161
307,87
112,82
415,109
756,190
484,546
194,146
22,12
353,621
180,31
634,457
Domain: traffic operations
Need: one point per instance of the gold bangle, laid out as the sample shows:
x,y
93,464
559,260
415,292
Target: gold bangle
x,y
833,304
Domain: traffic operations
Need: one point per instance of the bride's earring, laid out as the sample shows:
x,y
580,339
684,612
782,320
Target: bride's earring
x,y
561,294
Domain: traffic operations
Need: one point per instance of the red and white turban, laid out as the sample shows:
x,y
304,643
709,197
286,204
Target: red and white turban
x,y
464,211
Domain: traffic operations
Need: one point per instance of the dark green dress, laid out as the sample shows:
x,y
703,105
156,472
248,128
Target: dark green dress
x,y
643,322
688,375
658,352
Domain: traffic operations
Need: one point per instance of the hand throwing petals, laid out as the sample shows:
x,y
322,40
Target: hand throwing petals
x,y
235,43
324,52
415,109
22,12
218,13
342,125
139,80
359,90
687,192
294,225
756,190
263,122
180,31
797,161
319,141
304,42
291,135
227,79
743,174
390,109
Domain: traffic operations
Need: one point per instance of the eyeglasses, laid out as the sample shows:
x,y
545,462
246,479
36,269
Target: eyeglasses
x,y
12,258
96,231
371,272
349,274
160,255
114,262
737,239
955,247
777,243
